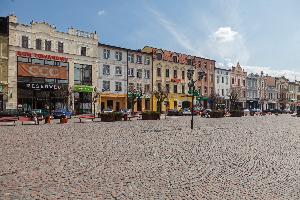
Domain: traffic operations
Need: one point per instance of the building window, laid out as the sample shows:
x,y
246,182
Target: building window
x,y
239,82
226,80
222,92
244,83
106,86
205,90
175,73
158,72
147,88
139,73
159,86
131,58
139,59
139,87
118,71
60,47
167,73
147,74
232,81
168,88
83,51
183,74
175,59
47,45
106,53
82,74
182,89
106,70
211,78
38,44
147,60
131,72
175,88
158,56
24,41
118,55
131,86
218,79
222,79
118,86
189,61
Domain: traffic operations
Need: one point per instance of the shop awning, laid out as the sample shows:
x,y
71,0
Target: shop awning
x,y
202,98
83,88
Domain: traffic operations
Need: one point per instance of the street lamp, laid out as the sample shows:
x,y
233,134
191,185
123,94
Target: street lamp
x,y
192,91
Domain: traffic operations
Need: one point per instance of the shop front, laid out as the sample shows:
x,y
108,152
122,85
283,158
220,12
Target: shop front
x,y
116,102
83,99
42,83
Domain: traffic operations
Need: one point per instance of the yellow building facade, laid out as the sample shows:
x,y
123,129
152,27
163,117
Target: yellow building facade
x,y
170,75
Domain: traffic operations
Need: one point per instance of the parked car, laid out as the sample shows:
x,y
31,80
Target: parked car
x,y
206,113
246,111
42,113
174,112
59,113
197,111
12,113
186,111
277,111
108,110
125,111
287,111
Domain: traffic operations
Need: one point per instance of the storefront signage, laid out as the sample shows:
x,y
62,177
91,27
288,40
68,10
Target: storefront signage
x,y
35,70
41,56
83,88
40,86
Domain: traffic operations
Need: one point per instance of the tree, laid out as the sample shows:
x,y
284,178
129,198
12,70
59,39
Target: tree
x,y
133,94
215,100
234,96
161,96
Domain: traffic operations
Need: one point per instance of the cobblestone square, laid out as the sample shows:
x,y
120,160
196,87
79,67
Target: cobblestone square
x,y
229,158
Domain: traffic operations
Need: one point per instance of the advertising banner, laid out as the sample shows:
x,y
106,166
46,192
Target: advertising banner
x,y
35,70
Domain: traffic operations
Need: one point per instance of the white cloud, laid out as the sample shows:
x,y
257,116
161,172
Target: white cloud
x,y
101,12
225,34
291,75
228,45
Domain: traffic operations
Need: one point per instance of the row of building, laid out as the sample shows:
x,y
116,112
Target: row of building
x,y
42,68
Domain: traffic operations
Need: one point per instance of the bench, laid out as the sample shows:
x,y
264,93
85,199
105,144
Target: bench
x,y
92,117
29,119
9,119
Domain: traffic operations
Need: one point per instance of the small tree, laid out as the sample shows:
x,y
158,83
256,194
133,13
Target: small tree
x,y
215,100
161,96
234,97
134,94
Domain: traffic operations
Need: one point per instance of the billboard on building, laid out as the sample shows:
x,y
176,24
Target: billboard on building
x,y
35,70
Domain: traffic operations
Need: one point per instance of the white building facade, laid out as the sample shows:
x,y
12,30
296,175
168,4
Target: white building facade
x,y
222,83
48,69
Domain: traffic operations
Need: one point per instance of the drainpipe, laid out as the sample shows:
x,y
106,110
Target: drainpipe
x,y
127,78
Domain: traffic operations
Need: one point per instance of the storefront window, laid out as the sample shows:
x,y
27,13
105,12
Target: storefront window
x,y
82,74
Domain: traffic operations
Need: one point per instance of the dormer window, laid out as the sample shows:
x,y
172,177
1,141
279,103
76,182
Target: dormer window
x,y
24,41
158,56
47,45
189,61
175,59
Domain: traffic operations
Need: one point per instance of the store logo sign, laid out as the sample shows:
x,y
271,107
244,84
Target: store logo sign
x,y
42,86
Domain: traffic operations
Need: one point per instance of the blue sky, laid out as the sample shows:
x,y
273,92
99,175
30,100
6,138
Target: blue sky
x,y
261,34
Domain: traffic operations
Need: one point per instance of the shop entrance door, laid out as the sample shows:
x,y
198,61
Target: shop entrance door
x,y
139,104
1,102
117,106
110,104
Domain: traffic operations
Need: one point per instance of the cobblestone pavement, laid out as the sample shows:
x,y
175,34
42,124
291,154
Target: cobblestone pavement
x,y
230,158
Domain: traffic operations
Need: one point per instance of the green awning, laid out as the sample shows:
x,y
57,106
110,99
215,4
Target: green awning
x,y
202,98
83,88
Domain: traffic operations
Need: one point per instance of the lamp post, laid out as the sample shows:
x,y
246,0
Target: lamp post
x,y
191,85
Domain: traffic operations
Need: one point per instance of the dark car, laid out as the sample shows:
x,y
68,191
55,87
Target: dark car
x,y
277,111
174,112
59,113
12,113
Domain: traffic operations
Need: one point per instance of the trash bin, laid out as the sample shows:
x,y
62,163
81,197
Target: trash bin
x,y
125,117
47,120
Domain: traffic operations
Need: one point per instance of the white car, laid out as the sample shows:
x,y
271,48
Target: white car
x,y
186,111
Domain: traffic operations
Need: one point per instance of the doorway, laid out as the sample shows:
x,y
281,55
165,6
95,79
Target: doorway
x,y
139,104
117,106
110,104
102,105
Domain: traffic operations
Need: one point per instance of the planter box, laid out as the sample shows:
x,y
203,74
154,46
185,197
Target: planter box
x,y
236,113
150,116
107,117
217,114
